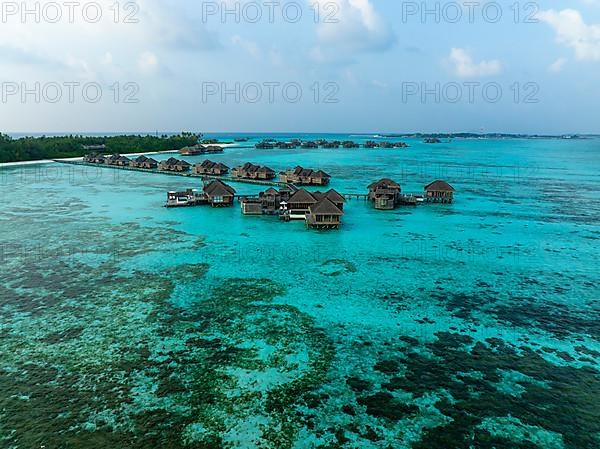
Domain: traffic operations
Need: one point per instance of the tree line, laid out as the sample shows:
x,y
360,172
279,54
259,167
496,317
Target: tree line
x,y
36,148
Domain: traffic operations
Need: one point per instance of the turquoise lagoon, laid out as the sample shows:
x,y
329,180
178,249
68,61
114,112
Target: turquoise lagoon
x,y
124,324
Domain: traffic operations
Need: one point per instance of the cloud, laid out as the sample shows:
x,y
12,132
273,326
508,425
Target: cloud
x,y
573,32
250,47
104,50
463,66
557,65
350,26
148,63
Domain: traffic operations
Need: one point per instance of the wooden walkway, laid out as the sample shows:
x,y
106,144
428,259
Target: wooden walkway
x,y
182,174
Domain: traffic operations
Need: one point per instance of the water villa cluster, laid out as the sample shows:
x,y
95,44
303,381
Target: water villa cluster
x,y
319,210
199,149
215,194
305,177
251,171
175,165
386,194
271,144
210,168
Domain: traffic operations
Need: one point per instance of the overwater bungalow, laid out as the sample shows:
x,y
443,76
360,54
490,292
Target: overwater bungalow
x,y
190,197
264,145
310,144
299,204
349,144
175,165
333,196
251,171
324,215
252,206
439,192
112,159
144,162
287,145
271,200
210,168
94,158
393,145
122,161
385,194
371,144
332,145
305,177
432,140
219,194
198,149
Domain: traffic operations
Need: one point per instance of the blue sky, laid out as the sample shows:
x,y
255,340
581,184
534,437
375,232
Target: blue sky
x,y
374,66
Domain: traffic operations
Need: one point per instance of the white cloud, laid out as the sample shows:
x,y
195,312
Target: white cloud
x,y
572,31
353,25
251,47
102,50
148,62
557,65
463,66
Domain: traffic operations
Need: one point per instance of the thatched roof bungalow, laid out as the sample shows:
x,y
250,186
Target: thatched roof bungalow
x,y
175,165
333,196
324,215
251,171
210,168
385,194
219,194
305,176
439,192
144,162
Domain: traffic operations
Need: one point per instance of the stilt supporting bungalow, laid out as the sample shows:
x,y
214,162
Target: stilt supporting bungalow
x,y
324,215
305,177
251,171
385,194
210,168
175,165
219,194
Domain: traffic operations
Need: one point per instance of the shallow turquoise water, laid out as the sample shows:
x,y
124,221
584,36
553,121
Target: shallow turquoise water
x,y
125,324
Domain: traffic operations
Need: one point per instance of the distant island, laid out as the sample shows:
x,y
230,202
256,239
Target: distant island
x,y
480,136
38,148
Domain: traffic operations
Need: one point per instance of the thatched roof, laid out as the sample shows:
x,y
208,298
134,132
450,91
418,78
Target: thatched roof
x,y
325,207
385,183
320,174
271,191
218,188
302,196
439,186
265,170
335,196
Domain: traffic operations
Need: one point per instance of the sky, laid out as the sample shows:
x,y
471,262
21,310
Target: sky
x,y
300,66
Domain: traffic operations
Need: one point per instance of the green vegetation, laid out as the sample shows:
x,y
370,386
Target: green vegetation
x,y
36,148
